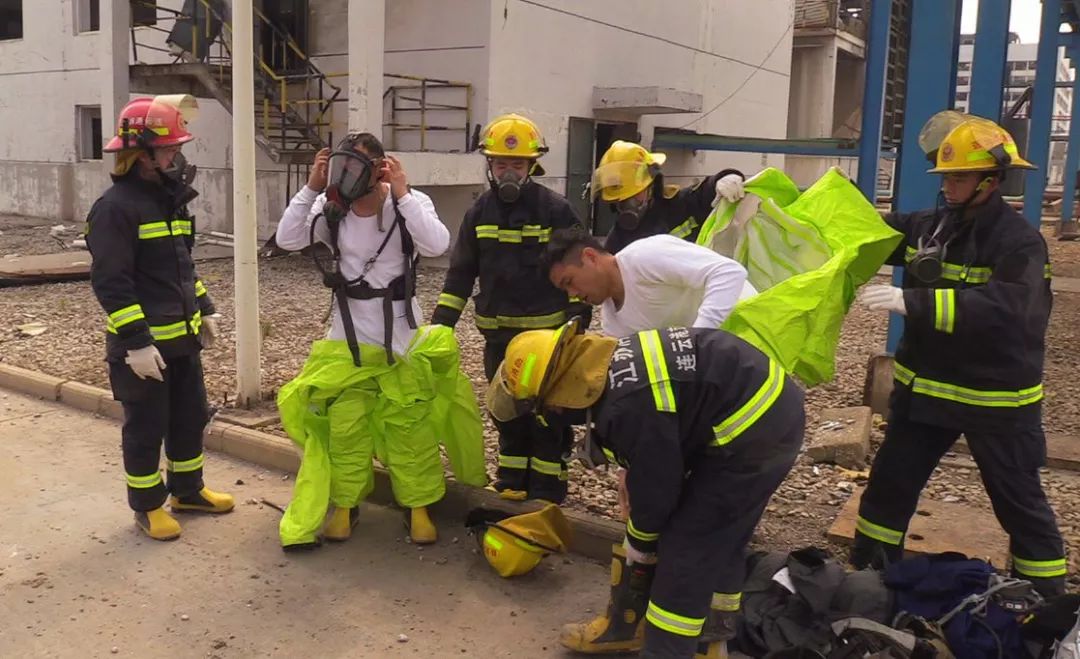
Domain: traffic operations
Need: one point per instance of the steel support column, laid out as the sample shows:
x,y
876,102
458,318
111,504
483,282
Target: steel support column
x,y
1042,108
935,28
988,63
1072,156
877,53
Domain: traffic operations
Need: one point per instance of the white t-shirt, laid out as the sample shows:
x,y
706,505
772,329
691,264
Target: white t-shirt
x,y
359,238
669,282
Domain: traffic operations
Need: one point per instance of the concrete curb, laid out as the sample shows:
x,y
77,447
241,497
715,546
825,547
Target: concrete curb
x,y
592,535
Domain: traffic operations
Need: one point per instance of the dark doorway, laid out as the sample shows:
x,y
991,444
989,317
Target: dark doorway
x,y
285,20
588,140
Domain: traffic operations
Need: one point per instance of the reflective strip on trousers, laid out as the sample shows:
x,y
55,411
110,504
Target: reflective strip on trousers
x,y
944,309
632,531
513,461
751,411
1040,569
185,466
685,229
966,395
726,601
673,622
200,288
521,322
144,482
125,316
547,468
454,302
653,353
879,533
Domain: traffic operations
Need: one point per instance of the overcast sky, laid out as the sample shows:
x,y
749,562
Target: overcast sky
x,y
1024,19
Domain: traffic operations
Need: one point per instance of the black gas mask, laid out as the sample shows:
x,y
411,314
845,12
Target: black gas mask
x,y
177,179
630,211
352,175
507,186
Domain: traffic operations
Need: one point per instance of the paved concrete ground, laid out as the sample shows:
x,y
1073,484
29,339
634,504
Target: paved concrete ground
x,y
77,579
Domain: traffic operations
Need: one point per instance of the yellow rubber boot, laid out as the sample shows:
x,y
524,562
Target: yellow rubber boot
x,y
421,528
510,495
205,501
622,627
340,526
158,524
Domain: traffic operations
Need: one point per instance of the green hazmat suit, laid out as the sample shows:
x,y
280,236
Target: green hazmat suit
x,y
342,416
806,254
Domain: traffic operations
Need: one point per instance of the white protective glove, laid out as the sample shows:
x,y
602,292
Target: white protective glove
x,y
146,363
882,297
636,555
729,188
209,332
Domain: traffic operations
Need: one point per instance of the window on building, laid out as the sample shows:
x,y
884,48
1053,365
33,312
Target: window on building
x,y
963,81
87,16
88,131
961,97
965,66
11,19
143,12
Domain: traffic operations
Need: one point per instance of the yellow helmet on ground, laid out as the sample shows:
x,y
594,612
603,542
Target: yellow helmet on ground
x,y
514,545
625,170
550,368
512,136
978,145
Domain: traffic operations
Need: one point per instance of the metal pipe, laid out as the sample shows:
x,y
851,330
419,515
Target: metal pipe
x,y
988,61
1042,106
423,116
245,239
877,52
1072,155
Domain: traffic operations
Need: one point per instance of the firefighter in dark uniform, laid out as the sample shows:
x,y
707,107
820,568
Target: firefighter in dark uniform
x,y
159,315
629,178
976,297
707,427
500,242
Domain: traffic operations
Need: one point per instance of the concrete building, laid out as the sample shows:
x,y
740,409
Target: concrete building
x,y
424,74
1020,72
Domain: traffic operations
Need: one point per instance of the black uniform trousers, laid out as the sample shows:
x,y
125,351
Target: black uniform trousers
x,y
174,411
702,551
530,450
1009,465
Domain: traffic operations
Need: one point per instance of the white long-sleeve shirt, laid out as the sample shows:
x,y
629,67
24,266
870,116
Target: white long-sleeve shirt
x,y
669,282
358,239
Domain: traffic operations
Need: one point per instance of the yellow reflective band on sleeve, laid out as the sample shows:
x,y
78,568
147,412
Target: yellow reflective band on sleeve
x,y
966,395
176,330
739,422
152,230
1040,569
185,466
633,532
653,353
454,302
685,229
944,310
521,322
125,316
181,228
144,482
513,461
547,468
1047,272
672,622
726,601
200,288
879,533
609,454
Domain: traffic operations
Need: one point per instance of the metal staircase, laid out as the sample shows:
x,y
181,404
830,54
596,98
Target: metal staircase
x,y
294,99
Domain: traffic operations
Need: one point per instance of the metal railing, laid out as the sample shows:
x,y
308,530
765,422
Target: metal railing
x,y
296,99
414,102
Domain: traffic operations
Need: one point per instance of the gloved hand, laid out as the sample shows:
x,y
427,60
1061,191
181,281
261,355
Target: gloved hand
x,y
883,297
210,331
146,363
636,555
730,188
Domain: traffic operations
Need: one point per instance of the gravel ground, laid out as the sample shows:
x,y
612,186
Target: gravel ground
x,y
293,304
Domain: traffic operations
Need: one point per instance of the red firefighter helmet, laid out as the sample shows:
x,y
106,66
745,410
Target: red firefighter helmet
x,y
154,122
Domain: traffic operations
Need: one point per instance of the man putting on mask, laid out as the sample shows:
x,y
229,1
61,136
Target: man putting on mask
x,y
629,178
368,390
707,427
500,243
